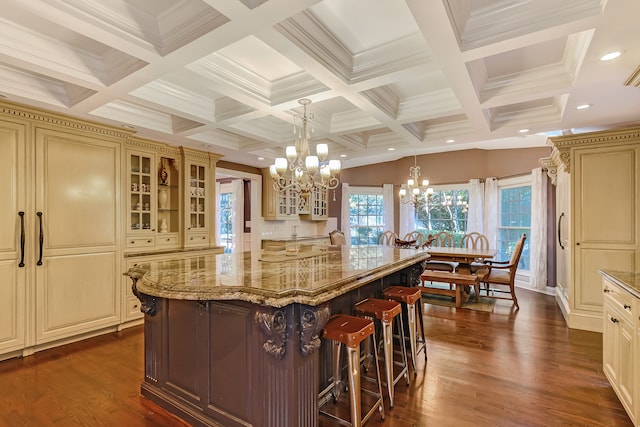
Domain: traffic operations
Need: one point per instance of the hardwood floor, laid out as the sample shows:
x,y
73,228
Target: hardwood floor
x,y
506,368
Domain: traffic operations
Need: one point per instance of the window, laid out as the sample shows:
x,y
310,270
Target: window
x,y
366,215
445,210
514,218
226,222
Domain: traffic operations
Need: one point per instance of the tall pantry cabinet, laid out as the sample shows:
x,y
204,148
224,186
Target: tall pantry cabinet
x,y
60,243
598,206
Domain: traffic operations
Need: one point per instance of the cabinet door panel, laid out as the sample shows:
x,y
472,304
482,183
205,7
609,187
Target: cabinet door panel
x,y
588,296
607,199
12,201
12,303
76,293
78,190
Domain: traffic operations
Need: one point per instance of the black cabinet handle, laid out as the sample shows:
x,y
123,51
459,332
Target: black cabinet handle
x,y
40,237
559,230
21,214
626,306
614,320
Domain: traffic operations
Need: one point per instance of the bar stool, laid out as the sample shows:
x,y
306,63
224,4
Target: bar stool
x,y
351,331
409,297
385,311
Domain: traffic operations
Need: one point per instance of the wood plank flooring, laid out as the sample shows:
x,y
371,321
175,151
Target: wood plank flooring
x,y
506,368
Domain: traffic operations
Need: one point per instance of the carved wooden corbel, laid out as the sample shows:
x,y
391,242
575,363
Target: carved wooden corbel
x,y
147,302
273,324
312,320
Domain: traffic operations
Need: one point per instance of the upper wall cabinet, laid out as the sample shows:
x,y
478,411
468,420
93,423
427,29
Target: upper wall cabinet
x,y
598,175
287,204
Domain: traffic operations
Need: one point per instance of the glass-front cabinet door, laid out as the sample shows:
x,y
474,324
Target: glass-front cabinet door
x,y
198,191
199,197
142,193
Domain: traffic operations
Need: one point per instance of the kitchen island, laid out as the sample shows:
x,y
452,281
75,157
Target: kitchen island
x,y
233,339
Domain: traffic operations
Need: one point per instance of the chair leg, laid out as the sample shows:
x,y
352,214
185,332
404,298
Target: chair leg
x,y
513,296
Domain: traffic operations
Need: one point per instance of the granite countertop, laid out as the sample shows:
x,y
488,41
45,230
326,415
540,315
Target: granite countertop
x,y
294,239
626,279
273,278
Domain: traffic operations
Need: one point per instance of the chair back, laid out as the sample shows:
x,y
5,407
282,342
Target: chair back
x,y
387,238
337,238
474,240
416,236
443,240
517,251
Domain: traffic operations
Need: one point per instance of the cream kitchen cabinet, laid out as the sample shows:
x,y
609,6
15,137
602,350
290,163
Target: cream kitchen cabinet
x,y
16,257
620,342
597,175
277,205
318,205
61,238
152,204
199,198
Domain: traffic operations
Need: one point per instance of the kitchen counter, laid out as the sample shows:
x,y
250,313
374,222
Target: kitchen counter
x,y
274,278
625,279
235,339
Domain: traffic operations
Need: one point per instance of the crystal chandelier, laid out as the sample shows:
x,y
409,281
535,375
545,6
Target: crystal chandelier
x,y
299,171
414,192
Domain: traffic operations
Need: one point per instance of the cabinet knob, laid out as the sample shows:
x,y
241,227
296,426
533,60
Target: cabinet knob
x,y
614,320
606,291
577,243
148,241
626,307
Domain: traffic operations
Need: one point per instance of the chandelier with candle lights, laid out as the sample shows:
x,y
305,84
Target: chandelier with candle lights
x,y
414,191
300,171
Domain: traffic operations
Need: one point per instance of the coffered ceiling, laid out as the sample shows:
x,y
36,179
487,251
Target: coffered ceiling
x,y
388,78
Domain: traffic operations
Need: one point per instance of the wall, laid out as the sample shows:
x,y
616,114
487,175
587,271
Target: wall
x,y
441,168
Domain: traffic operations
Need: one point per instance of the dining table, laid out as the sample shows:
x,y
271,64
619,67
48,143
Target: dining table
x,y
463,256
462,278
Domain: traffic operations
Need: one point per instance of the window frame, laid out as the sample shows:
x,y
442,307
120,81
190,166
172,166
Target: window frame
x,y
504,184
447,187
366,191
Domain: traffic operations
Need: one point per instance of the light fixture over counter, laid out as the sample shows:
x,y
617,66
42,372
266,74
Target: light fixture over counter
x,y
415,191
300,171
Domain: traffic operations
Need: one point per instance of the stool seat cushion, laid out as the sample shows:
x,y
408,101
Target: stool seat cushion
x,y
381,309
349,330
403,294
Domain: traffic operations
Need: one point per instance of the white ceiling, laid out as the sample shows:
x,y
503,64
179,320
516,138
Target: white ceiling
x,y
407,75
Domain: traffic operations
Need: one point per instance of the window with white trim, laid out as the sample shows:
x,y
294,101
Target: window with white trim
x,y
445,210
366,215
514,212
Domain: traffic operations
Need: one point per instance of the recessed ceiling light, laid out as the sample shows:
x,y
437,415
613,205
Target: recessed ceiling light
x,y
343,155
391,149
609,56
583,106
260,158
449,141
524,130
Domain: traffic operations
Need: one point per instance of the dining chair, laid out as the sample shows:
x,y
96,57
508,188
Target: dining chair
x,y
442,239
475,240
503,273
387,238
337,238
419,238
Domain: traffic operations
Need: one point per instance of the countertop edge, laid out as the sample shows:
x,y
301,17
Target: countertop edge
x,y
614,276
